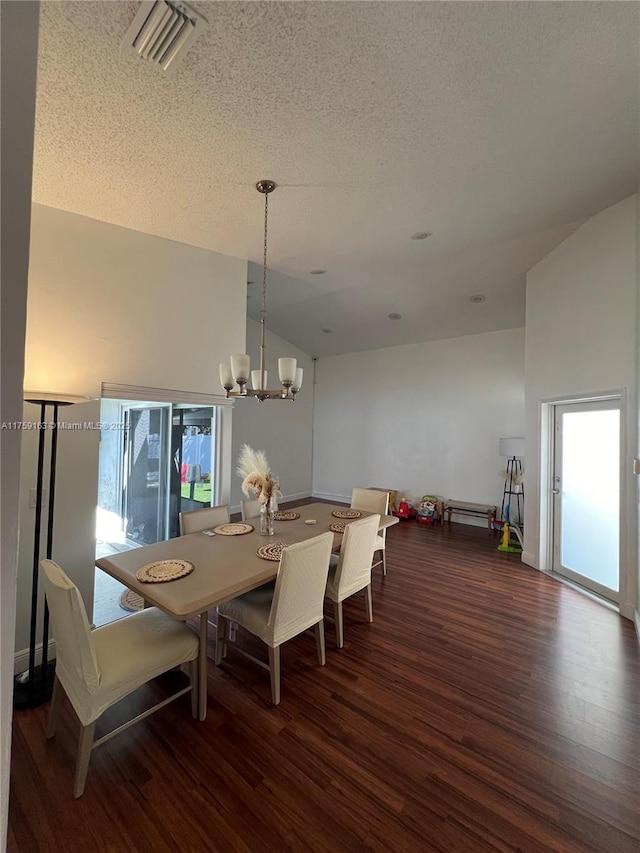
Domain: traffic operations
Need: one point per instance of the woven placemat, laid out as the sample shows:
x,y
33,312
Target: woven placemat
x,y
286,515
346,513
338,526
235,528
272,551
164,570
132,601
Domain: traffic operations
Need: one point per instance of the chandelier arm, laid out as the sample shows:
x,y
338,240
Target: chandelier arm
x,y
282,394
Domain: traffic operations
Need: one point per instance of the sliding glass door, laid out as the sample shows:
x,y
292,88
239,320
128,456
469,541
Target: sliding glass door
x,y
145,493
162,462
193,478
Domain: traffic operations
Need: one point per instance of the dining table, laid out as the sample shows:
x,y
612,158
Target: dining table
x,y
224,567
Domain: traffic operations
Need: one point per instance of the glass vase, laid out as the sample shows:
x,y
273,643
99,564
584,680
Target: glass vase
x,y
266,518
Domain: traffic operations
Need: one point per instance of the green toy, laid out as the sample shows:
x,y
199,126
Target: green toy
x,y
508,545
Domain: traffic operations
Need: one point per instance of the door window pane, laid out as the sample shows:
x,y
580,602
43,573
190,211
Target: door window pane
x,y
591,495
145,489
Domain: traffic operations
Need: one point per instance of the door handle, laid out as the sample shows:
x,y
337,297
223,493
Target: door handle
x,y
555,491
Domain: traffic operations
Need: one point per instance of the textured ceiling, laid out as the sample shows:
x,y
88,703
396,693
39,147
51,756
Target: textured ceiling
x,y
497,126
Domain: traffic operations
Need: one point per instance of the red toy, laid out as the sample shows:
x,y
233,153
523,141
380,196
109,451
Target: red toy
x,y
406,509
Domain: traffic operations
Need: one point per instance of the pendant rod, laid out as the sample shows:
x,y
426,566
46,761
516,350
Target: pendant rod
x,y
264,187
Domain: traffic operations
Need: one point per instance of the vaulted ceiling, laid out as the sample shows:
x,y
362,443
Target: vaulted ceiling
x,y
497,127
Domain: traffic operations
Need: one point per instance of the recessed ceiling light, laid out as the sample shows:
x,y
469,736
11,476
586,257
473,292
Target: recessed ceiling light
x,y
327,331
421,235
394,316
477,298
317,272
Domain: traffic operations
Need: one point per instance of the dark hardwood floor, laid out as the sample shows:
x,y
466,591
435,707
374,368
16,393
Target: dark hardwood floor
x,y
487,708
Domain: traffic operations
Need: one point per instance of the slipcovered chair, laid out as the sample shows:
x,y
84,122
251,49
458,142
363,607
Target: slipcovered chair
x,y
371,500
98,668
197,520
277,614
202,519
251,508
351,571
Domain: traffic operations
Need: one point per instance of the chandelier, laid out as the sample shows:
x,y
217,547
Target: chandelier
x,y
237,373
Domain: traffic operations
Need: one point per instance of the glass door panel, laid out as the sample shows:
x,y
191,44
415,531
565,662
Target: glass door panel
x,y
193,470
145,463
164,462
587,495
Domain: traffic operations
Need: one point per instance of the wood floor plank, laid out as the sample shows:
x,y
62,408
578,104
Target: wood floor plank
x,y
486,708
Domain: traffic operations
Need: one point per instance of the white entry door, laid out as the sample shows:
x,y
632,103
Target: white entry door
x,y
586,495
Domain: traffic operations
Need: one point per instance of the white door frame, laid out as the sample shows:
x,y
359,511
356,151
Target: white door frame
x,y
224,431
547,421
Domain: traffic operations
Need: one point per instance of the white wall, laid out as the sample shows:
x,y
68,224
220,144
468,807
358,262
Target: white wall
x,y
283,429
424,418
581,339
19,49
107,304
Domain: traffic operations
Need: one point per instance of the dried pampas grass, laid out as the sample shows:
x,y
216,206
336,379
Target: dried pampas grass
x,y
258,480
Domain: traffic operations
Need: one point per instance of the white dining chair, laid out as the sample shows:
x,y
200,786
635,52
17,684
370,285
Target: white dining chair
x,y
277,613
196,520
98,668
371,500
202,519
350,571
251,508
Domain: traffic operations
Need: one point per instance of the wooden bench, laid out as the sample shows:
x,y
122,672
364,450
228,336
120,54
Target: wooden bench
x,y
465,508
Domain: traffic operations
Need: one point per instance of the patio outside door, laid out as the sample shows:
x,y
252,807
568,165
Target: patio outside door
x,y
586,495
146,466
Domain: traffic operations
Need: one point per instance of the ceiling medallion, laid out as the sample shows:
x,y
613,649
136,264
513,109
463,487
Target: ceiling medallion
x,y
237,372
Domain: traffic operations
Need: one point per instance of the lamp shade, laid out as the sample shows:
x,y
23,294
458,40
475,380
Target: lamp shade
x,y
45,397
240,366
226,376
255,380
287,370
511,447
297,385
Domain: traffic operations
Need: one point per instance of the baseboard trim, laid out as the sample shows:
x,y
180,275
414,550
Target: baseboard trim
x,y
21,658
325,496
297,496
529,559
626,610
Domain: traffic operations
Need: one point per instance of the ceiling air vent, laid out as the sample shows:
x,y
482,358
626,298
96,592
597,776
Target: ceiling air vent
x,y
163,32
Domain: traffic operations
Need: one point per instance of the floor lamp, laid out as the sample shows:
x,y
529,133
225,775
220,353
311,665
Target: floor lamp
x,y
33,687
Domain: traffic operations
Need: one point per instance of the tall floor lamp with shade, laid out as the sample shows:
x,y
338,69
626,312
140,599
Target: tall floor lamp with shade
x,y
33,687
